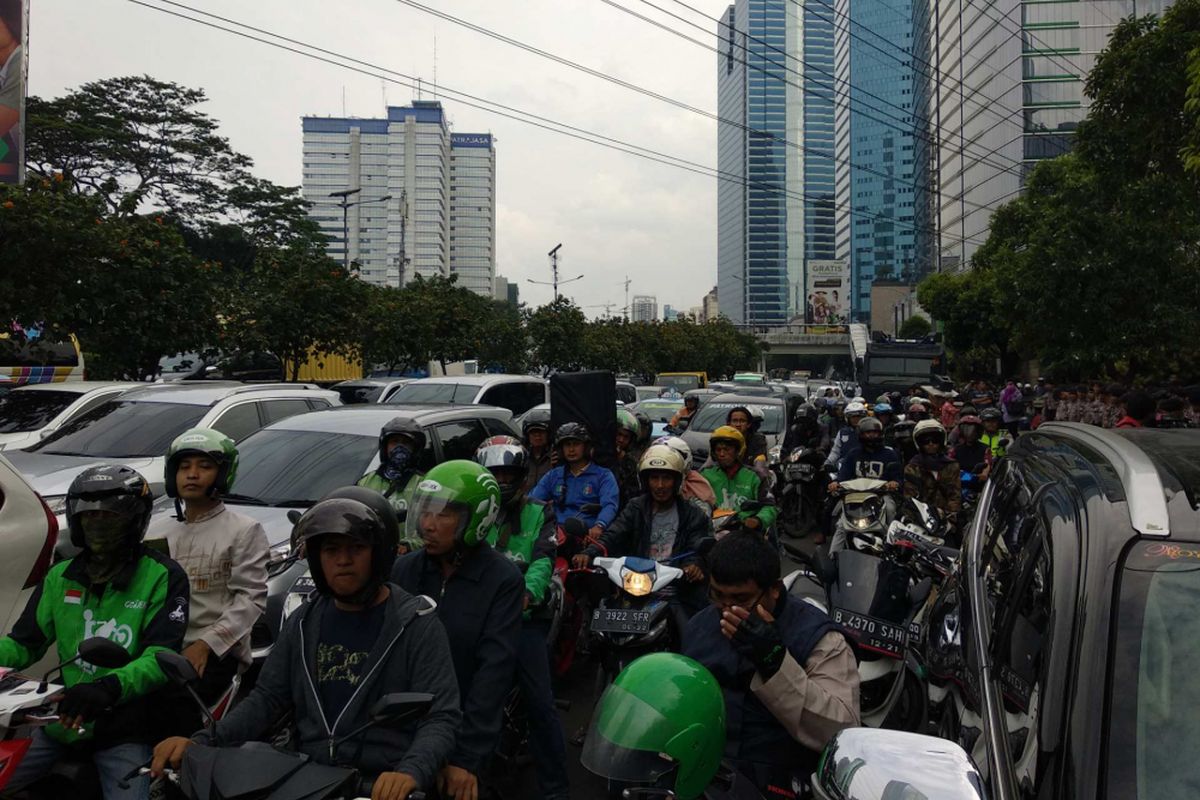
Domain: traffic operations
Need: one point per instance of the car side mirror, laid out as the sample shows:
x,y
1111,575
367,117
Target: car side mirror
x,y
176,667
400,706
877,764
105,653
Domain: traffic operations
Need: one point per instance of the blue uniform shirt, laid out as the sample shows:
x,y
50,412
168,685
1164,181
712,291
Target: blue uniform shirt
x,y
570,493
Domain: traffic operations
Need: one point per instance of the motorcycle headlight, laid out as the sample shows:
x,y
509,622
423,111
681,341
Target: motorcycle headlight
x,y
861,523
638,583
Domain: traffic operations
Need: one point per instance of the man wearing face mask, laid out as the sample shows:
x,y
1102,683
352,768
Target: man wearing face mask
x,y
116,588
400,442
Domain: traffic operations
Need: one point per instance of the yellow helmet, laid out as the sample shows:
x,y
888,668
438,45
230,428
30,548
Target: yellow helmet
x,y
728,433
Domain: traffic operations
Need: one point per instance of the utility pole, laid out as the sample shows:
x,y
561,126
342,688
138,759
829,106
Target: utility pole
x,y
403,233
554,282
627,282
345,204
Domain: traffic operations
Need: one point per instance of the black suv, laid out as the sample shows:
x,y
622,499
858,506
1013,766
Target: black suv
x,y
1061,654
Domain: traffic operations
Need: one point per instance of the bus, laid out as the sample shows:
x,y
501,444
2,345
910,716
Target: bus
x,y
26,356
897,364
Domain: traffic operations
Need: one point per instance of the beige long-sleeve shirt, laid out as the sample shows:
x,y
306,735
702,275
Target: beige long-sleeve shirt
x,y
225,556
817,700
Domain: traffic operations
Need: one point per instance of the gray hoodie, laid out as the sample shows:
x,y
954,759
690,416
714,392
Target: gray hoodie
x,y
410,655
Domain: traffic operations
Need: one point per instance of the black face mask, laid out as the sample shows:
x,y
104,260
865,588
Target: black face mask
x,y
870,444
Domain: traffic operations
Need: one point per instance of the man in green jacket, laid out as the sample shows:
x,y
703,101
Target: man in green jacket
x,y
525,532
735,484
400,443
118,589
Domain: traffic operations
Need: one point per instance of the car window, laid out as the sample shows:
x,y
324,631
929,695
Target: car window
x,y
282,409
460,439
31,411
713,415
1153,729
317,404
354,393
123,429
239,422
436,393
503,395
497,427
626,393
95,402
280,466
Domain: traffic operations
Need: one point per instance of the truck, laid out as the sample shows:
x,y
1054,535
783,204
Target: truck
x,y
896,364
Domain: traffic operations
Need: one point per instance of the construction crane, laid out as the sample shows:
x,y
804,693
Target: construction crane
x,y
606,306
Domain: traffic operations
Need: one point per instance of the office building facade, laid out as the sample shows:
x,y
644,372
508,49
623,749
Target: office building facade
x,y
643,308
1009,94
402,173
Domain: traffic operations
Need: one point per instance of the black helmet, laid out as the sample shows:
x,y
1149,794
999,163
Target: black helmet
x,y
806,411
400,427
646,428
572,430
374,501
535,418
903,431
354,518
991,414
113,488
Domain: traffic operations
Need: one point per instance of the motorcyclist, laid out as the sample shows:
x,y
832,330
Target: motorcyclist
x,y
645,428
695,488
577,482
917,411
659,524
400,442
996,440
887,418
660,724
748,421
788,674
902,435
846,441
357,638
628,431
524,532
691,404
117,588
931,476
972,455
535,429
805,431
735,484
480,597
872,460
224,554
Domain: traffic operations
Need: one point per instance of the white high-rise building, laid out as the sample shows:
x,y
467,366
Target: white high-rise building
x,y
643,308
402,175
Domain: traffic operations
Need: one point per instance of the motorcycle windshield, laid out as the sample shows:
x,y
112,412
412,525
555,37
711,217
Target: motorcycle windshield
x,y
871,586
625,739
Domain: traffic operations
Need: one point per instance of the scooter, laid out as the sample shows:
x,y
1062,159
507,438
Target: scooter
x,y
800,500
863,510
27,704
259,771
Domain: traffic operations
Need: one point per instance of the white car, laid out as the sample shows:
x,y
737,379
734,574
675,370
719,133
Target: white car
x,y
28,532
32,412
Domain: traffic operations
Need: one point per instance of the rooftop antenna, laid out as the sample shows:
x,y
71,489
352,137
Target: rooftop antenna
x,y
343,99
435,83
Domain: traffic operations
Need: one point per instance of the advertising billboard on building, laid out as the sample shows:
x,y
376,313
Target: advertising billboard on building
x,y
827,292
14,32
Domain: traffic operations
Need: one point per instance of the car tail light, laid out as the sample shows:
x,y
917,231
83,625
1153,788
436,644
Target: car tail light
x,y
42,565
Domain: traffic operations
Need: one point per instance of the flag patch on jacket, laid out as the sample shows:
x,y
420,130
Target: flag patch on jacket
x,y
73,596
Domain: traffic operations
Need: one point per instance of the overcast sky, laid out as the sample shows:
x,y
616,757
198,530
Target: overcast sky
x,y
614,214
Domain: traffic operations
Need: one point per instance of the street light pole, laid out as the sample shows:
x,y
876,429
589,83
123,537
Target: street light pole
x,y
554,282
345,205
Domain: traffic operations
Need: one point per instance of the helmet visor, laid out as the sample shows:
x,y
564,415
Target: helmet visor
x,y
625,740
432,520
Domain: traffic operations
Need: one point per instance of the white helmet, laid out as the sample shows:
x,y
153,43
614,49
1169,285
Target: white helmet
x,y
927,426
855,407
661,458
677,444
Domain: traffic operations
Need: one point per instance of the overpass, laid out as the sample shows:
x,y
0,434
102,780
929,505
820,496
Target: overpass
x,y
817,348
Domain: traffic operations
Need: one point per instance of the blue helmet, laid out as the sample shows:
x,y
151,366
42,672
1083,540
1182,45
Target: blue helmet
x,y
883,408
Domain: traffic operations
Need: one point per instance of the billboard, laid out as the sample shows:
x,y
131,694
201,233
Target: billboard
x,y
827,292
14,31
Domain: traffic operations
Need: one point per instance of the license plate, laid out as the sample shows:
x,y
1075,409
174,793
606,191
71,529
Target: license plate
x,y
799,472
621,620
873,633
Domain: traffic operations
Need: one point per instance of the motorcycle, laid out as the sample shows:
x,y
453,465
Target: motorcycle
x,y
800,498
27,704
864,510
260,771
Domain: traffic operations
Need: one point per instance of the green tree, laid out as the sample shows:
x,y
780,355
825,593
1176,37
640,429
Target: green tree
x,y
557,332
915,327
502,341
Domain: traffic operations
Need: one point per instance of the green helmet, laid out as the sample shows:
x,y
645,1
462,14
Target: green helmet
x,y
464,486
626,421
663,714
206,442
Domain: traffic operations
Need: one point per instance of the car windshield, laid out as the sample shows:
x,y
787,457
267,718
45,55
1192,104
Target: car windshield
x,y
31,411
122,429
712,416
680,382
435,393
354,393
1154,732
283,466
658,411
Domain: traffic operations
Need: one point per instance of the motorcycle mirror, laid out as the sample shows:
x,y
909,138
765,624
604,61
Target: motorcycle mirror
x,y
400,706
178,669
575,528
101,652
294,516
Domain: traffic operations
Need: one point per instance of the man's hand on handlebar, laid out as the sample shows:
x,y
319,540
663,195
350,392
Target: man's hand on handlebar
x,y
458,784
893,486
168,753
593,534
580,561
693,573
197,653
393,786
834,486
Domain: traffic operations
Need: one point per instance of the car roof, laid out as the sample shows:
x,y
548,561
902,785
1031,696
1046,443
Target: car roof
x,y
479,380
372,417
372,382
80,387
207,393
746,399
